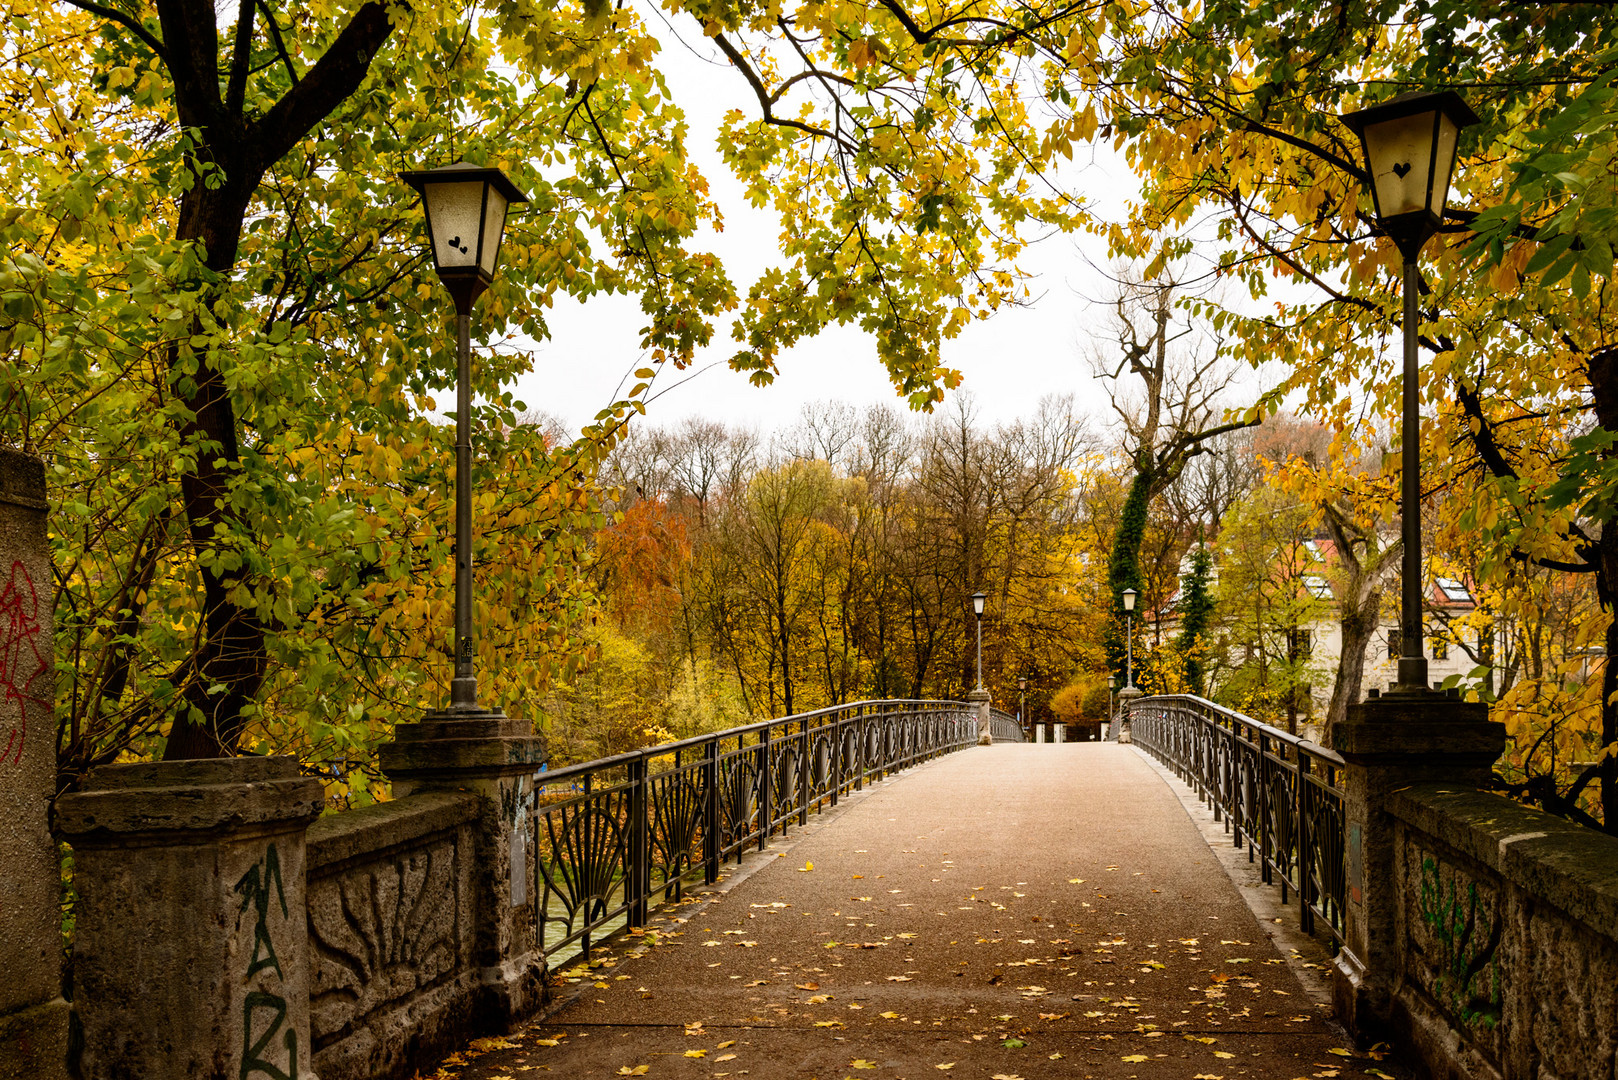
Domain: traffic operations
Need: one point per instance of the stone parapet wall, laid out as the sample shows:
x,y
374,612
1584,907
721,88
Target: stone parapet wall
x,y
394,980
1507,933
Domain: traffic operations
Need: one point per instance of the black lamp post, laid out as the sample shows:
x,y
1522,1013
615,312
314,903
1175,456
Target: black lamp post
x,y
1410,144
1129,636
977,606
1022,697
466,218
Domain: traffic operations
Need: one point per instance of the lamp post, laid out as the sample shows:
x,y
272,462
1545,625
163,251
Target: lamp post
x,y
1410,144
1022,697
979,697
466,219
1128,693
1129,636
977,606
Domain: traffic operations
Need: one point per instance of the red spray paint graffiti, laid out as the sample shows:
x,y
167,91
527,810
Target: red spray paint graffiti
x,y
23,656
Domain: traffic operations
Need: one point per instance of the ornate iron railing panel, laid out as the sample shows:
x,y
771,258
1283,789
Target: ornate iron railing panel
x,y
610,839
1279,796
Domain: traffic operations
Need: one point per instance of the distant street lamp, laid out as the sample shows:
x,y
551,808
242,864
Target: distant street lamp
x,y
466,219
977,606
1112,684
1022,697
1410,145
1129,636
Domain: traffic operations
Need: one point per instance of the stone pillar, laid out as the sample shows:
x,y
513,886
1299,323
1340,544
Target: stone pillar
x,y
1126,698
980,698
33,1016
1390,742
486,753
191,950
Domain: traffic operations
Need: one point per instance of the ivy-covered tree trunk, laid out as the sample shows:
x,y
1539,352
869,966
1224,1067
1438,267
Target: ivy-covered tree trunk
x,y
1195,612
1123,564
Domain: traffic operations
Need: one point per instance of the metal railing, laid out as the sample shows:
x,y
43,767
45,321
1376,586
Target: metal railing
x,y
1278,794
613,838
1003,727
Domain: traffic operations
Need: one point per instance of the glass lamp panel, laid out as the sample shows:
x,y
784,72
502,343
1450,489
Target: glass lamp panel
x,y
1400,153
1444,162
454,214
494,224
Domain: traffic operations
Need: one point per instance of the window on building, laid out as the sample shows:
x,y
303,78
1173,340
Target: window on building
x,y
1395,644
1299,644
1453,590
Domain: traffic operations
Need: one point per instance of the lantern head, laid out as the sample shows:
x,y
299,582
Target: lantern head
x,y
466,219
1410,144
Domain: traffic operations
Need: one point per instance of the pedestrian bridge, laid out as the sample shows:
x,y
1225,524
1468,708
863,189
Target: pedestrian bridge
x,y
884,889
844,891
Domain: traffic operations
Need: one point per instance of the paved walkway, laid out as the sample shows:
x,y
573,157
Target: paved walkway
x,y
1018,911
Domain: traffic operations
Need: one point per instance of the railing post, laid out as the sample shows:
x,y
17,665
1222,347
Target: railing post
x,y
804,773
859,749
640,853
837,742
766,813
712,842
1306,917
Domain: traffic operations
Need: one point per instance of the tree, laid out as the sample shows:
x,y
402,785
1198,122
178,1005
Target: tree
x,y
213,329
1169,424
1196,609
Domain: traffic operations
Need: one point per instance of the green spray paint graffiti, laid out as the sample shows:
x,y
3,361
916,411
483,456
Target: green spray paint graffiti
x,y
254,889
1466,979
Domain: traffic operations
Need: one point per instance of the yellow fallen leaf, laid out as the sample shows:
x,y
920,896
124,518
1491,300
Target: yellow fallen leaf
x,y
945,1066
638,1070
696,1053
1135,1057
1056,1056
890,1016
829,1023
494,1042
1223,1054
861,1063
727,1044
1340,1052
546,1042
806,867
726,1057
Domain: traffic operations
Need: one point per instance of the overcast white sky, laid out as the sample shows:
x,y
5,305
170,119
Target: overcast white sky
x,y
1009,362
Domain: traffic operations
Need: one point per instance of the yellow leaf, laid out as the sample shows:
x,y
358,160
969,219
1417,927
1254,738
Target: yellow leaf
x,y
1135,1057
727,1043
806,867
638,1070
861,1063
726,1057
946,1065
1340,1052
696,1053
1223,1054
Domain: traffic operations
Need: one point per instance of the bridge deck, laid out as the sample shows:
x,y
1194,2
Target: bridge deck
x,y
1057,896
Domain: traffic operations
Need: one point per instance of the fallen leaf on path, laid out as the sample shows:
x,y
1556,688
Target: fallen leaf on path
x,y
889,1016
829,1023
861,1063
1223,1054
898,978
638,1070
696,1053
806,867
946,1065
1340,1052
726,1057
808,986
726,1044
1133,1057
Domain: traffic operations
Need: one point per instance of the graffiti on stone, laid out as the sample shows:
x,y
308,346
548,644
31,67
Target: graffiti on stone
x,y
1461,944
264,1014
24,658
